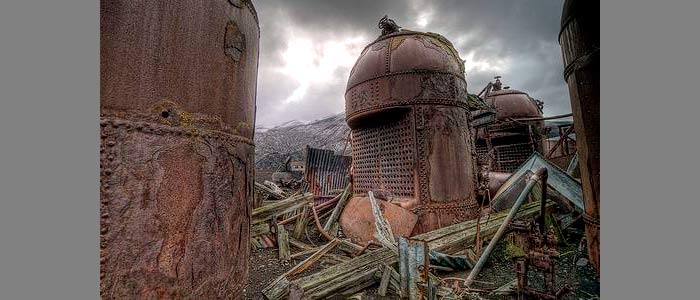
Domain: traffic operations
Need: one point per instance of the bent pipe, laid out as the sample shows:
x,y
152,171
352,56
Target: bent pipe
x,y
540,175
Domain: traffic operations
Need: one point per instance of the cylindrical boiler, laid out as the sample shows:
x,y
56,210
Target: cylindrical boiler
x,y
580,45
406,104
506,143
177,108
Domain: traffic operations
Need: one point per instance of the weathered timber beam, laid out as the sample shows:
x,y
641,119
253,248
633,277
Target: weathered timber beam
x,y
283,243
281,207
337,210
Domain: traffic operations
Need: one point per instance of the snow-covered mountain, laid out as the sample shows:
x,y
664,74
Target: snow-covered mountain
x,y
273,145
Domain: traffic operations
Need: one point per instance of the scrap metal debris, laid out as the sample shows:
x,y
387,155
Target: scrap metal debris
x,y
325,263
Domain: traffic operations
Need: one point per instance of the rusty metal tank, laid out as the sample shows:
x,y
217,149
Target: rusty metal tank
x,y
406,104
511,103
580,45
507,142
177,107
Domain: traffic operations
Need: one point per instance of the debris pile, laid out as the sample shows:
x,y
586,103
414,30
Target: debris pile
x,y
530,244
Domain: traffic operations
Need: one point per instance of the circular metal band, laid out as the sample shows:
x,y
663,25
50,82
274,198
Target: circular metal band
x,y
580,62
591,221
160,129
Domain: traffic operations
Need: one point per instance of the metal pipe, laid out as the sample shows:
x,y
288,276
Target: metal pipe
x,y
543,198
501,230
572,165
560,141
544,118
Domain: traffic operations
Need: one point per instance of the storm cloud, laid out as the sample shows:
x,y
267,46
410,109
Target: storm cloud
x,y
307,48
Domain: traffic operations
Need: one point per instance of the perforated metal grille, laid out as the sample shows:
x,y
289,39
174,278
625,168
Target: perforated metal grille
x,y
383,157
482,153
510,157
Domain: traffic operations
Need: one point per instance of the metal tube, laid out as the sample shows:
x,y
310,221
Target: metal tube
x,y
543,198
501,230
560,142
572,165
543,118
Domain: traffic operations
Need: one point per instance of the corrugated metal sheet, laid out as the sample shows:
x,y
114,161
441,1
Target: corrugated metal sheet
x,y
557,179
325,171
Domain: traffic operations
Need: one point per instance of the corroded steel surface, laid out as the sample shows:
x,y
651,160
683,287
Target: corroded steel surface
x,y
406,104
325,171
505,144
580,46
512,104
357,216
177,103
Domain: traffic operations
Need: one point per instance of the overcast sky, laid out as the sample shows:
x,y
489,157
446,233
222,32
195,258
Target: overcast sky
x,y
307,48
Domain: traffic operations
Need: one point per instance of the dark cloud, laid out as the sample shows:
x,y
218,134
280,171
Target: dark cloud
x,y
514,39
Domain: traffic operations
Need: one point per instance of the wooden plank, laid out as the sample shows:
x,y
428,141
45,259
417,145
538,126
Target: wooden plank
x,y
301,223
281,207
350,283
384,282
313,258
301,245
283,243
333,219
304,253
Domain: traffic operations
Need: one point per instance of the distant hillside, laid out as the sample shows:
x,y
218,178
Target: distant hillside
x,y
273,145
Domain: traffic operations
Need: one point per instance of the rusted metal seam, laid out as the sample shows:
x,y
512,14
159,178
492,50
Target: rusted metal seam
x,y
580,62
405,73
161,129
433,101
402,32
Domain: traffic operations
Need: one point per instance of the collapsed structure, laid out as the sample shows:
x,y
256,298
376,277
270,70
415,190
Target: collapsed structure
x,y
177,107
406,104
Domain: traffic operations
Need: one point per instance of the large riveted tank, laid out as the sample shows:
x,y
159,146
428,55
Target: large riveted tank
x,y
507,142
406,104
580,46
177,108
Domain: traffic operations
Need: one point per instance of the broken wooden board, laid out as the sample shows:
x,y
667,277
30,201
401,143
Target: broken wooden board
x,y
261,188
360,271
301,222
283,244
278,208
384,282
337,210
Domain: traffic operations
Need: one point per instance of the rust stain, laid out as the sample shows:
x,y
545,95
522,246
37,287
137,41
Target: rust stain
x,y
176,149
